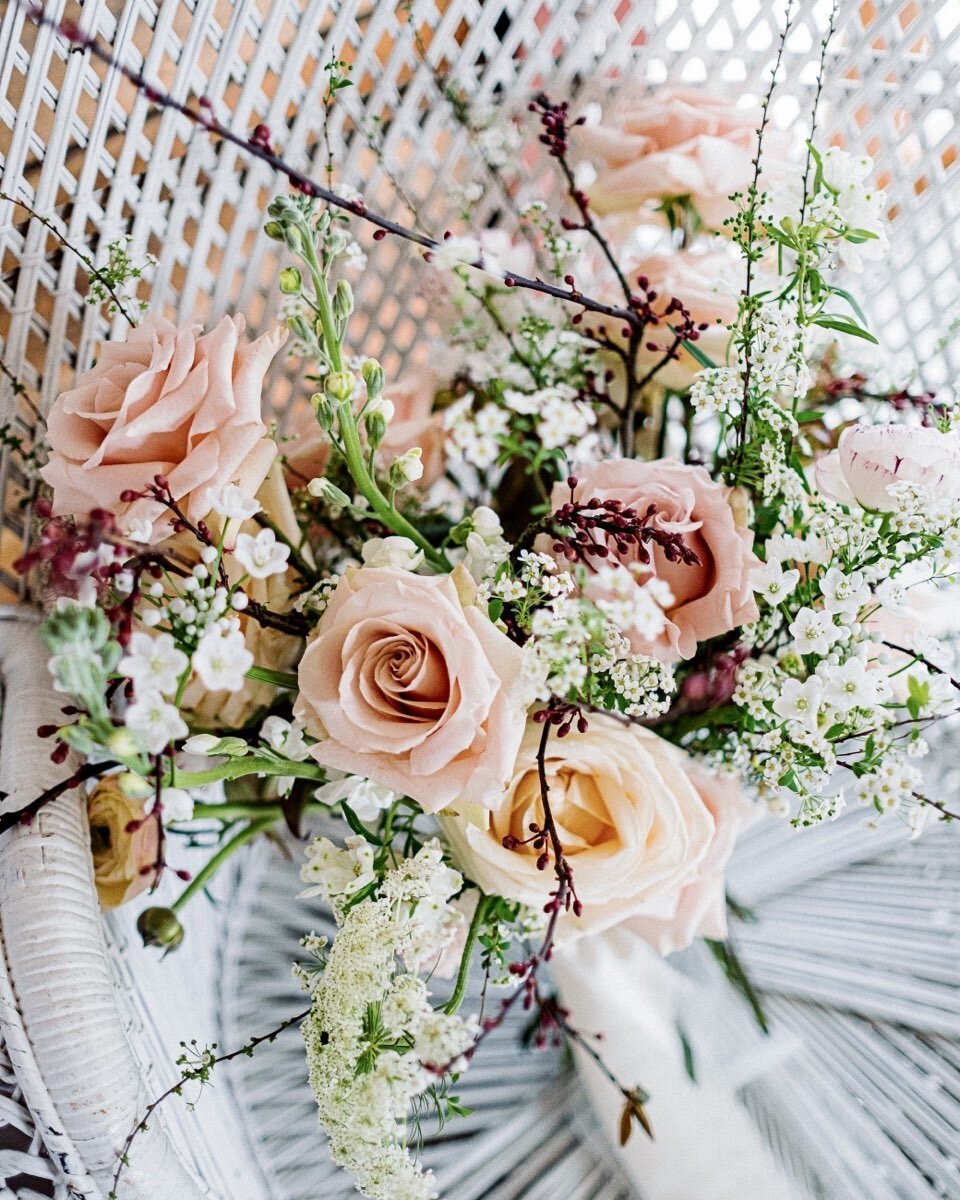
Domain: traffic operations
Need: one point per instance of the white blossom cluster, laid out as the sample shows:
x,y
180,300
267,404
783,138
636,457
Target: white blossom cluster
x,y
373,1040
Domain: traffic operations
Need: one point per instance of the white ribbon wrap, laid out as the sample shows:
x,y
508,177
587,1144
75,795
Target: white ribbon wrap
x,y
705,1145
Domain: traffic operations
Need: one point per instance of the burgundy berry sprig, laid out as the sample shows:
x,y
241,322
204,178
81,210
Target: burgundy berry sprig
x,y
586,531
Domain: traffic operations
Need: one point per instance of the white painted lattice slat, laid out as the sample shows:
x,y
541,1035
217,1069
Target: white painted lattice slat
x,y
83,148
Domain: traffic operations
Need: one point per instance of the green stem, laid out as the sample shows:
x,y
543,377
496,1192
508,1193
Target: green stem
x,y
236,768
236,810
477,922
349,433
213,865
281,679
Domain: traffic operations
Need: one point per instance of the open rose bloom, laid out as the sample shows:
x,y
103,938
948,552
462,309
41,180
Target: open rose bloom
x,y
647,835
168,401
677,142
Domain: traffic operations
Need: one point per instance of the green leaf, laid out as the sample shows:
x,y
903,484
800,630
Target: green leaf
x,y
807,418
495,608
845,295
842,325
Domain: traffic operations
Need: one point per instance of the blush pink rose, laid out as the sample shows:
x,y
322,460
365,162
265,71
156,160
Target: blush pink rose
x,y
637,832
168,401
709,599
410,686
701,908
872,457
677,142
414,424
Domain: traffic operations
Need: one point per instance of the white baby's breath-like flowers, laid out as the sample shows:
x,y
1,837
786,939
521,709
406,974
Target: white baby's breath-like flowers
x,y
153,663
234,504
221,659
262,554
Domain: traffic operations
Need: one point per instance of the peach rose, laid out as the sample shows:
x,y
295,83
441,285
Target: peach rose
x,y
167,401
118,856
709,599
702,905
408,683
414,424
677,142
872,457
636,831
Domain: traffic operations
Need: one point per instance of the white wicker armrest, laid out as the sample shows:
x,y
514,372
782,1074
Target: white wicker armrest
x,y
59,1016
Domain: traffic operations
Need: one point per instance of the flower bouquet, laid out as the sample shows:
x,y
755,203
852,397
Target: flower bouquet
x,y
542,625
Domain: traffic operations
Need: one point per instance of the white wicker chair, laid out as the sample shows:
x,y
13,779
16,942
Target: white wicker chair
x,y
89,1022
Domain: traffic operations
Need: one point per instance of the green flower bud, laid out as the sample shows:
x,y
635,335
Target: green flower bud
x,y
160,927
291,281
122,744
273,229
322,410
373,377
324,490
376,427
343,300
339,386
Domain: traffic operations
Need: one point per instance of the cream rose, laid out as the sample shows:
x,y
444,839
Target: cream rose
x,y
870,458
411,686
636,831
167,401
676,142
413,424
709,599
120,859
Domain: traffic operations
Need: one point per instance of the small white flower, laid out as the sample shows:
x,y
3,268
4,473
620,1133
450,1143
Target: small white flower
x,y
772,582
262,555
851,685
155,664
842,593
397,553
235,504
222,659
336,873
176,804
154,722
285,737
814,632
409,465
365,798
800,702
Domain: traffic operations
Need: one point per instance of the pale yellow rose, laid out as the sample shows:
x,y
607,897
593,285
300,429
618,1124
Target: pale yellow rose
x,y
120,858
636,832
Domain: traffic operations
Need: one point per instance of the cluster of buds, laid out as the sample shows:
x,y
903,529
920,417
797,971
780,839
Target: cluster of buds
x,y
575,526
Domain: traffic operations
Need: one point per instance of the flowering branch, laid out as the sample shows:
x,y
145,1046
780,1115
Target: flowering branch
x,y
259,147
575,524
24,816
205,1061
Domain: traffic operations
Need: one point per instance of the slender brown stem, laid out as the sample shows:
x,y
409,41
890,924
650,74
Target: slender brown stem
x,y
176,1089
204,118
25,815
